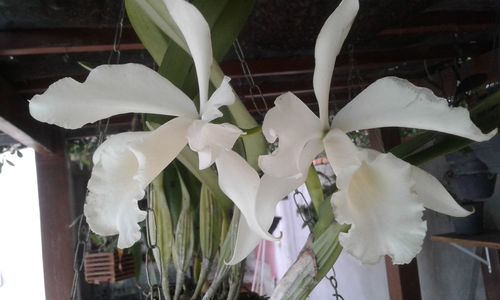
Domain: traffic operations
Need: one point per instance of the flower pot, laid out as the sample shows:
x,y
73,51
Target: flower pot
x,y
468,177
488,152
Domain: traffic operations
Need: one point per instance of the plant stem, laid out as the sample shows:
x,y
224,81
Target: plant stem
x,y
315,260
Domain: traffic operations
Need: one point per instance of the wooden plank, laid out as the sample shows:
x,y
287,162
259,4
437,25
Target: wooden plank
x,y
55,218
489,239
61,41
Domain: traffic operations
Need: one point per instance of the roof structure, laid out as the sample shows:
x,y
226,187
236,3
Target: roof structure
x,y
420,40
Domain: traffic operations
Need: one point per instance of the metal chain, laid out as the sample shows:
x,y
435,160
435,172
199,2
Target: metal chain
x,y
335,285
309,221
118,36
154,289
83,235
254,90
83,231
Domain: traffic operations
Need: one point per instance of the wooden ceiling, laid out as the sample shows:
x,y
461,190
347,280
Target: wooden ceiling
x,y
431,43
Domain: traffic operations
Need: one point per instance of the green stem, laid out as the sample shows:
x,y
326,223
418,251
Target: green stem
x,y
315,260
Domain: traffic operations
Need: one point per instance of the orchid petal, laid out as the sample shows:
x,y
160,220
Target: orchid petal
x,y
110,90
240,183
392,101
123,166
160,147
209,140
432,194
341,151
223,95
271,191
196,32
296,126
246,241
381,204
328,45
111,204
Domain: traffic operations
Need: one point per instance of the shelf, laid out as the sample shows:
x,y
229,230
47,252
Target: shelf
x,y
489,239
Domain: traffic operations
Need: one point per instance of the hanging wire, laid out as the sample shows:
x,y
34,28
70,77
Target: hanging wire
x,y
254,90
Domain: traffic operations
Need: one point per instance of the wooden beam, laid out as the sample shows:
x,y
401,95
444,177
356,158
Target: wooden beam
x,y
377,15
55,217
60,41
443,28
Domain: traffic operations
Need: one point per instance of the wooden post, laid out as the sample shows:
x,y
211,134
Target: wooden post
x,y
56,217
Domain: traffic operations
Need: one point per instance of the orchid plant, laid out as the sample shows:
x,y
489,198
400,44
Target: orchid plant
x,y
381,197
126,163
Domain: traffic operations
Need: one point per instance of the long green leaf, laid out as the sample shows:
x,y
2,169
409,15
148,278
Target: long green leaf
x,y
173,192
164,235
313,185
183,249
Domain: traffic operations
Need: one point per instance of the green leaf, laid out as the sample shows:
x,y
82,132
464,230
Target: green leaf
x,y
191,182
153,38
173,192
228,26
445,144
486,104
207,176
164,230
175,65
314,188
182,253
210,223
415,143
325,218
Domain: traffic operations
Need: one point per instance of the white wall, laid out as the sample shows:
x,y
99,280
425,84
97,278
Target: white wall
x,y
21,264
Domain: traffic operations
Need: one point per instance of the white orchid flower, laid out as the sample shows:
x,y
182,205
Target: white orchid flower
x,y
126,163
381,196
